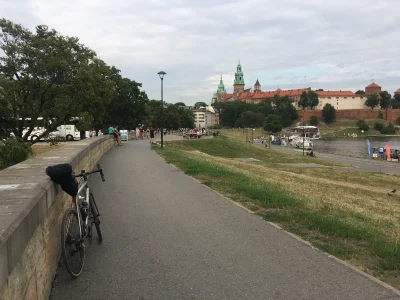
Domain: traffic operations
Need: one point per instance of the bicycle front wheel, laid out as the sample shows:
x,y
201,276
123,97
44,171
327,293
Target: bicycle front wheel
x,y
95,213
73,251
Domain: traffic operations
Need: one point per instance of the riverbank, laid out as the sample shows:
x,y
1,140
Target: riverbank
x,y
347,214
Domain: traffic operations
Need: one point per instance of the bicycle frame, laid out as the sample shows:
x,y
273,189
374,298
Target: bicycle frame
x,y
76,201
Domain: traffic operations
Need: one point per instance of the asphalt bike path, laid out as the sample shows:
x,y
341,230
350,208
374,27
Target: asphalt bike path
x,y
166,236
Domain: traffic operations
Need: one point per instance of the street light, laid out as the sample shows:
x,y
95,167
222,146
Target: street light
x,y
303,132
161,74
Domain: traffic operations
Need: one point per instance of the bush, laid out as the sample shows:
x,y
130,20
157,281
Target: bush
x,y
362,125
378,126
380,115
388,129
314,121
398,121
13,151
55,140
329,113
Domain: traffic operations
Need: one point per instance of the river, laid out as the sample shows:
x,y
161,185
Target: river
x,y
354,147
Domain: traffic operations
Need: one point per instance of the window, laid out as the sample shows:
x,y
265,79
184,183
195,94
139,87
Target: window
x,y
345,97
329,97
337,97
353,97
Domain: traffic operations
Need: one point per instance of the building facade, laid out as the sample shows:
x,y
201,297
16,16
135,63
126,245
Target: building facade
x,y
205,117
340,100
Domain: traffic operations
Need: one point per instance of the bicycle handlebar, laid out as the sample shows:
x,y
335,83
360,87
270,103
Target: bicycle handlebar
x,y
84,174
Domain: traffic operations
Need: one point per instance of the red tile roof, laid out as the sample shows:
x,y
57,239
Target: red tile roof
x,y
336,94
271,94
397,92
373,85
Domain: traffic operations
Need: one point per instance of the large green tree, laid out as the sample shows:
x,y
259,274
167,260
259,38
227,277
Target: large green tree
x,y
313,99
385,99
128,108
304,101
44,74
372,101
250,119
272,123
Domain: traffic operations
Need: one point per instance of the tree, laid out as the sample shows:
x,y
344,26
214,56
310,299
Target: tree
x,y
329,113
385,99
314,121
304,101
128,108
313,100
372,101
197,105
360,92
272,123
180,104
396,101
250,119
45,74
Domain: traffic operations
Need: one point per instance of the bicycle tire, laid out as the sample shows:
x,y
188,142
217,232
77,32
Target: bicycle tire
x,y
95,214
74,271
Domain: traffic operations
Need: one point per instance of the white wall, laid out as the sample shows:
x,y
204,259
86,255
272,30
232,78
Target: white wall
x,y
356,102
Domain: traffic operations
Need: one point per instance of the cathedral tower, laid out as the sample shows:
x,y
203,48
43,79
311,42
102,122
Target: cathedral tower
x,y
238,86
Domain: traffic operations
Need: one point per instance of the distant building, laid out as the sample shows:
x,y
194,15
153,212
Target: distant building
x,y
372,88
205,117
250,95
340,100
397,92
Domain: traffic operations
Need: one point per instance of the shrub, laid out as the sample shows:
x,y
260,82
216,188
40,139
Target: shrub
x,y
362,125
398,121
13,151
388,129
378,126
329,113
55,140
380,115
314,121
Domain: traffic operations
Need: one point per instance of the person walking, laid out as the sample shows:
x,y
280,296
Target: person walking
x,y
110,130
151,135
147,133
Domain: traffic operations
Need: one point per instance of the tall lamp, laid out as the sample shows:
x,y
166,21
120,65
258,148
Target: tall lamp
x,y
161,74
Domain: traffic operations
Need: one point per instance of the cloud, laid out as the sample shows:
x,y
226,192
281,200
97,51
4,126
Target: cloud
x,y
289,43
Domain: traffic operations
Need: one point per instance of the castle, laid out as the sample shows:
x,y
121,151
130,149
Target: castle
x,y
250,95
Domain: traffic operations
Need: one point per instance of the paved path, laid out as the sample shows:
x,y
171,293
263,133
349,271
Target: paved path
x,y
168,237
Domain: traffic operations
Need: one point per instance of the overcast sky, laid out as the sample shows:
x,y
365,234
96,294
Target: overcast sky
x,y
340,44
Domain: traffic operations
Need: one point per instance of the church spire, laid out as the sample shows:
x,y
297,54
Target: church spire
x,y
239,78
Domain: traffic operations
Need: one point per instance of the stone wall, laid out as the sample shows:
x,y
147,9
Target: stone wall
x,y
391,114
31,210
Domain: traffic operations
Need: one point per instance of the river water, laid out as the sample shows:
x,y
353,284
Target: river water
x,y
354,146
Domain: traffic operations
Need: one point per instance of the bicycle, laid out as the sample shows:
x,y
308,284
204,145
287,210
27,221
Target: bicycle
x,y
78,223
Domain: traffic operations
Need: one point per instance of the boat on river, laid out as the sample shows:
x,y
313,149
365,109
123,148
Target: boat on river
x,y
312,132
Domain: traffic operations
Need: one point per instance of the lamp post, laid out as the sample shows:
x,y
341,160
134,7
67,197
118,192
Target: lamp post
x,y
161,74
303,132
252,138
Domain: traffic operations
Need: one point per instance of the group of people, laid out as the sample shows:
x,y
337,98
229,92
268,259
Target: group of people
x,y
149,133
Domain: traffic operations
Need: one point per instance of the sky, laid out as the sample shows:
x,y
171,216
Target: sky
x,y
333,45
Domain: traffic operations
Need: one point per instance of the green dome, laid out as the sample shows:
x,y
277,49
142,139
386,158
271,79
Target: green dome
x,y
221,87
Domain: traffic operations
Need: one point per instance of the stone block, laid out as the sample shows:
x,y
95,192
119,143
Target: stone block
x,y
3,264
31,292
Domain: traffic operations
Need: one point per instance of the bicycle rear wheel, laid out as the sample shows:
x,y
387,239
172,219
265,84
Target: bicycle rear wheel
x,y
95,213
73,251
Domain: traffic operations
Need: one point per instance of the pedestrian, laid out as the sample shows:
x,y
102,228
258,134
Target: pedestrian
x,y
147,133
137,133
141,133
110,130
117,137
151,135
